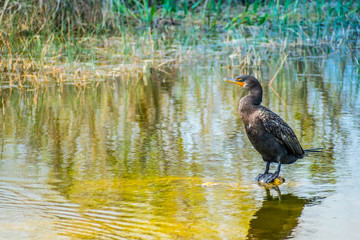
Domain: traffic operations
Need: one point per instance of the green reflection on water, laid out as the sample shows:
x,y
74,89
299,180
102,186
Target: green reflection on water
x,y
133,158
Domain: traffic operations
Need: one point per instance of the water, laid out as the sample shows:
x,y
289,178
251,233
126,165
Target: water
x,y
168,158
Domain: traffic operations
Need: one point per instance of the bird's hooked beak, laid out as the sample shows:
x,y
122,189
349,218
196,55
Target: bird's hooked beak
x,y
237,81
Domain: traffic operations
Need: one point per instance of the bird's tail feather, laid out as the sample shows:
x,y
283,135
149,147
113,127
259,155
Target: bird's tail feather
x,y
313,151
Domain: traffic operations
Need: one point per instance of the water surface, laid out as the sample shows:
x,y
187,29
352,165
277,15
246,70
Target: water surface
x,y
167,157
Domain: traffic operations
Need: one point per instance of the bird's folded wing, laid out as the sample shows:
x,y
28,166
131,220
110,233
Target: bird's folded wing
x,y
281,130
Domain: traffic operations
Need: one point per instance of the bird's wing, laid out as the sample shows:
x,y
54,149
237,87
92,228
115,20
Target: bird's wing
x,y
282,131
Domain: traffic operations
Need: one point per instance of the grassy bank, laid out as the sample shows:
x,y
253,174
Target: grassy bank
x,y
82,42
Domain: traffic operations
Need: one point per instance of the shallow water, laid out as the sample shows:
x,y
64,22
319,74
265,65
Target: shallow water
x,y
168,158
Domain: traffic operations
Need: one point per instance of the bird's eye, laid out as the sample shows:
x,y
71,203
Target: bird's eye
x,y
240,79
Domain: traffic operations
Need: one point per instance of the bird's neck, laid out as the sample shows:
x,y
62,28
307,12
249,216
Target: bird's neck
x,y
255,96
250,102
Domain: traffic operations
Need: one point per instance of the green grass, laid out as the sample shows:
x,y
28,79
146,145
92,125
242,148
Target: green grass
x,y
71,41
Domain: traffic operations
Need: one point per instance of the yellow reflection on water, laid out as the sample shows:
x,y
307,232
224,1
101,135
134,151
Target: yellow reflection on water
x,y
159,208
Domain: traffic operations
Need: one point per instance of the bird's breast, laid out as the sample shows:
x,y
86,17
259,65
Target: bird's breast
x,y
252,126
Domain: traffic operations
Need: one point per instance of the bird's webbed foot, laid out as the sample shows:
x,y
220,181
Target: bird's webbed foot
x,y
266,177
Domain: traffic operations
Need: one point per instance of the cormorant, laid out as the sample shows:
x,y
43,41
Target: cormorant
x,y
271,136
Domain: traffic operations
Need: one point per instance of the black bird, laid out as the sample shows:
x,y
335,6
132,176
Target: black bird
x,y
271,136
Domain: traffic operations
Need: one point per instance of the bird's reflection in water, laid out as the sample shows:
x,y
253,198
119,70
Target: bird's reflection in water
x,y
277,217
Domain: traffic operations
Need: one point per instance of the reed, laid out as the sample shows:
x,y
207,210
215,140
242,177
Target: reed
x,y
82,42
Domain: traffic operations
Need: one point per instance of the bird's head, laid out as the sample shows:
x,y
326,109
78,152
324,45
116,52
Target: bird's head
x,y
244,81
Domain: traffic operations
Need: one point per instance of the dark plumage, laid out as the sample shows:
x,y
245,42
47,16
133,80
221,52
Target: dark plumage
x,y
271,136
